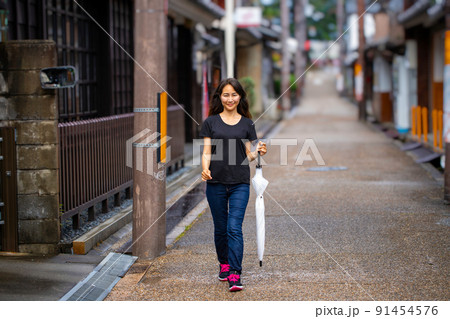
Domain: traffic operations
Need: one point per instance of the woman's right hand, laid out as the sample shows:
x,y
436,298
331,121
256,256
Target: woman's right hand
x,y
206,175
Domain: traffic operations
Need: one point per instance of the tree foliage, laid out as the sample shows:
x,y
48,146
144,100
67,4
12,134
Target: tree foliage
x,y
326,26
322,19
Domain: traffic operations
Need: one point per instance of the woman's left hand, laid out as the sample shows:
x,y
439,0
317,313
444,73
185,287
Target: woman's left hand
x,y
261,148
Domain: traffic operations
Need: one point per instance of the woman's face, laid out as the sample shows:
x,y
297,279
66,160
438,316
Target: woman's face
x,y
230,98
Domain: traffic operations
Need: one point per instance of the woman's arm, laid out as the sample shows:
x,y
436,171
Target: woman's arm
x,y
206,159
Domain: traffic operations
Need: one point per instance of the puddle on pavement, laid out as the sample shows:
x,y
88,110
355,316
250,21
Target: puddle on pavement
x,y
184,205
444,221
176,213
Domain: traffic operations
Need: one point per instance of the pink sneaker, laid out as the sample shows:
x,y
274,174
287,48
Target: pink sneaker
x,y
224,272
234,281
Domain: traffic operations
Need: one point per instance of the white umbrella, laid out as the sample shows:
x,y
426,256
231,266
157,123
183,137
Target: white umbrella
x,y
259,184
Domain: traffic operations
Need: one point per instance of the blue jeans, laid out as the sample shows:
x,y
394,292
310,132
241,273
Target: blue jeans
x,y
228,204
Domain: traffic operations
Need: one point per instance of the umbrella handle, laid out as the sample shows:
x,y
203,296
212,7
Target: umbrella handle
x,y
259,161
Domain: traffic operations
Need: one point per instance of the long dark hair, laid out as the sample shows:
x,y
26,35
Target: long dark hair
x,y
216,106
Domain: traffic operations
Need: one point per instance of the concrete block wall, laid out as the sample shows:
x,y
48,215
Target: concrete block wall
x,y
33,112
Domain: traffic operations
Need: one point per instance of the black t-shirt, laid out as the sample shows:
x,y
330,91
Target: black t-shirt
x,y
229,163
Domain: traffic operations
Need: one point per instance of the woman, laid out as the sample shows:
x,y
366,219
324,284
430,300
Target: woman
x,y
228,133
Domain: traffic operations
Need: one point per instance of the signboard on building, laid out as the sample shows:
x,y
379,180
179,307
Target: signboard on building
x,y
246,17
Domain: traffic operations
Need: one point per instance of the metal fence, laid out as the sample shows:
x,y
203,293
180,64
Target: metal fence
x,y
93,164
93,161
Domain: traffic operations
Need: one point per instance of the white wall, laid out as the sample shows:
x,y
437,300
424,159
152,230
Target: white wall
x,y
402,109
381,75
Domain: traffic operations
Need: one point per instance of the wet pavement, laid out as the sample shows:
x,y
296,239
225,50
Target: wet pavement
x,y
42,278
183,206
175,213
38,278
377,230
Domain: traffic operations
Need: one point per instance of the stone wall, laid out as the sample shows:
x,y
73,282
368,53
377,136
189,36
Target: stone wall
x,y
33,112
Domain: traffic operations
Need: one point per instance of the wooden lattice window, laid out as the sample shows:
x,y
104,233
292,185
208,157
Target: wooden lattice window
x,y
122,32
75,35
105,71
25,19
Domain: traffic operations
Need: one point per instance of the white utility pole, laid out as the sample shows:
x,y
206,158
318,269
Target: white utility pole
x,y
230,39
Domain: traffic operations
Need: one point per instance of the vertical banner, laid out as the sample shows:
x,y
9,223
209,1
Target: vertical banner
x,y
359,82
447,103
447,89
205,93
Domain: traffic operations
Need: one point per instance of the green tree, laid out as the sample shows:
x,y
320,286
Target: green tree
x,y
323,19
272,11
249,86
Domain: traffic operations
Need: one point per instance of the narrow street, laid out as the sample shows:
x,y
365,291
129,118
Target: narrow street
x,y
377,230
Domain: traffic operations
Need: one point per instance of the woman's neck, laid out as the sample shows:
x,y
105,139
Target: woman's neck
x,y
228,114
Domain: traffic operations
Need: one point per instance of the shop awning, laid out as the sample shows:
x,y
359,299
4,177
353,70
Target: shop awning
x,y
415,14
203,11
